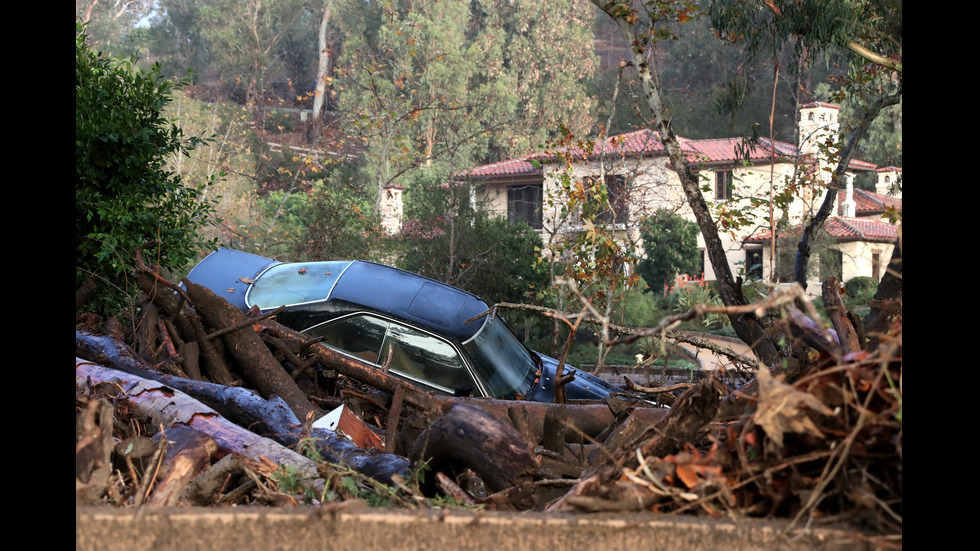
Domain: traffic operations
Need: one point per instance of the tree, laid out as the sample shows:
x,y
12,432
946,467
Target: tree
x,y
457,242
125,194
247,35
769,24
446,84
109,22
336,220
670,244
871,32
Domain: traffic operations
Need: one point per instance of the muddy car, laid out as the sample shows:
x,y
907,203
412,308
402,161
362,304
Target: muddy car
x,y
436,336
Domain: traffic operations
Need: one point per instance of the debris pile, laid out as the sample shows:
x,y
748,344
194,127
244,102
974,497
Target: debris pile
x,y
202,405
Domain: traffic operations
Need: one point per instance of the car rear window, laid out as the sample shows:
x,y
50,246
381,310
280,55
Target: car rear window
x,y
294,283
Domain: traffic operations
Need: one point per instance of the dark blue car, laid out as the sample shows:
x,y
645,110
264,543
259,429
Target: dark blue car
x,y
423,330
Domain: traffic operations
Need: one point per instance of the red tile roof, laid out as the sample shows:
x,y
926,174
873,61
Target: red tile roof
x,y
504,168
842,229
646,142
868,203
821,104
732,149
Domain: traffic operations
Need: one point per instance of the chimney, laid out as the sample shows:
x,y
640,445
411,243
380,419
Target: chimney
x,y
889,180
391,209
849,207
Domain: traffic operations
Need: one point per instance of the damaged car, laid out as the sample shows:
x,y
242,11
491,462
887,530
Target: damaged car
x,y
435,336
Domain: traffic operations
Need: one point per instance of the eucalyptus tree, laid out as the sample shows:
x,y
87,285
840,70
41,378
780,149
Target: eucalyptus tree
x,y
872,31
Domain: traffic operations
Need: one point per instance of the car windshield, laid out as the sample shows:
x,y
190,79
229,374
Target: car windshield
x,y
502,360
294,283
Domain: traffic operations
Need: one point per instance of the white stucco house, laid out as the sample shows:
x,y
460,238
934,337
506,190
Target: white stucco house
x,y
738,181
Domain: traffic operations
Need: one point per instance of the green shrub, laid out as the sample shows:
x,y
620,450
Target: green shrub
x,y
670,244
686,294
278,121
125,195
861,287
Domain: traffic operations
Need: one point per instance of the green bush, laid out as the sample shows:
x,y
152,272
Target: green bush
x,y
278,121
686,294
126,196
861,287
670,244
456,242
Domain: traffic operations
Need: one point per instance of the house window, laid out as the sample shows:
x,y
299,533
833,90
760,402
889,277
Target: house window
x,y
617,193
753,264
524,204
723,185
876,266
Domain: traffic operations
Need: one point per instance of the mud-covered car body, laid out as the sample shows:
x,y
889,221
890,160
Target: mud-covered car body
x,y
427,332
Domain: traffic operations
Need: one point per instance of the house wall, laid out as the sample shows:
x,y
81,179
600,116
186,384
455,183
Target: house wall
x,y
650,185
494,197
653,186
857,258
751,184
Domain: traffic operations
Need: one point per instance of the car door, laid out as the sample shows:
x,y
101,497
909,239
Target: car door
x,y
418,356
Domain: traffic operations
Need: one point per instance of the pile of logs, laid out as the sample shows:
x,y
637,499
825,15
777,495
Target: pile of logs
x,y
254,388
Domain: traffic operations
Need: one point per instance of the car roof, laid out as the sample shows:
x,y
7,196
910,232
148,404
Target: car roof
x,y
416,298
347,285
228,272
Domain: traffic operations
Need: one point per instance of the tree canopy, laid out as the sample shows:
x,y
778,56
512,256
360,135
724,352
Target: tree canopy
x,y
125,195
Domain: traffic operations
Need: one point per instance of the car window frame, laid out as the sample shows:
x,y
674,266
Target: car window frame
x,y
480,386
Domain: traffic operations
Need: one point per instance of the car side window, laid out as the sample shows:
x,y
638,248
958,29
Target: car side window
x,y
425,358
360,336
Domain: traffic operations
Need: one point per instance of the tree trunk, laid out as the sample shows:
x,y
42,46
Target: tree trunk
x,y
887,302
253,356
468,437
323,68
271,418
168,407
746,326
815,226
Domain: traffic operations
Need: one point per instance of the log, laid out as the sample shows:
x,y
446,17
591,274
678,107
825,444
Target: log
x,y
189,453
167,407
93,449
356,369
586,419
691,413
253,356
271,418
468,437
215,482
187,322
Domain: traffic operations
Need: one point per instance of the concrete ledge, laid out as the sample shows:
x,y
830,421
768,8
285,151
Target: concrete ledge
x,y
273,529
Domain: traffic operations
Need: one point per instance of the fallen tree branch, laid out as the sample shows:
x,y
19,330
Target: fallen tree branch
x,y
254,357
271,418
166,407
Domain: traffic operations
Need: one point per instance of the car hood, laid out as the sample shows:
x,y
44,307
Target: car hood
x,y
584,386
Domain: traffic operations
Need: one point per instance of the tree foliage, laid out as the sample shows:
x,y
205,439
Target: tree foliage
x,y
450,239
125,194
450,83
670,244
336,220
247,38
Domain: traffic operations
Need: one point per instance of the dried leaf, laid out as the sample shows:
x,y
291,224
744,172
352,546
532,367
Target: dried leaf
x,y
783,409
